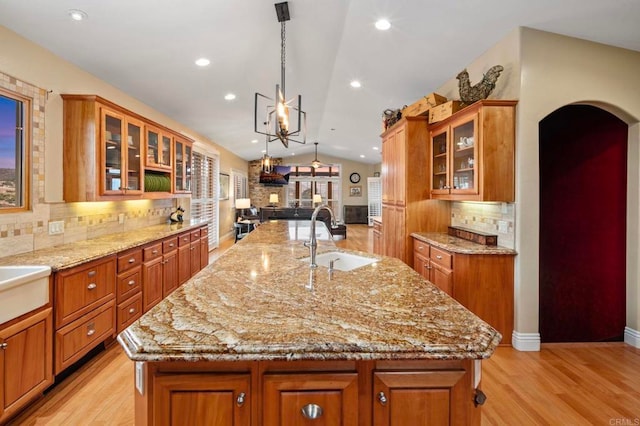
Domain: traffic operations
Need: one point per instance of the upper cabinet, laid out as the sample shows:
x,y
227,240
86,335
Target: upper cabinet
x,y
182,172
472,153
111,153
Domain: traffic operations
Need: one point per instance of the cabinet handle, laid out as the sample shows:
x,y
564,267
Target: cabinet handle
x,y
382,398
132,310
131,282
92,273
91,329
171,245
154,252
92,286
240,399
312,411
438,257
3,346
132,260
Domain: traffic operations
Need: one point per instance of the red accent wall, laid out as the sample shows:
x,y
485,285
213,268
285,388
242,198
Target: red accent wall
x,y
583,184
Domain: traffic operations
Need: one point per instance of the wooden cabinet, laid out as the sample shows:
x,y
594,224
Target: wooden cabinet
x,y
194,247
159,146
204,247
106,149
483,283
26,349
406,206
129,288
472,153
377,238
299,399
152,276
183,160
184,257
169,266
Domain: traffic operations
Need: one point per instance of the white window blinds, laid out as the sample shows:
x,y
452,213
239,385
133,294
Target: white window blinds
x,y
204,200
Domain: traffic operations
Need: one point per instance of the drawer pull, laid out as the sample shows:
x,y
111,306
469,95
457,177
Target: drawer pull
x,y
240,399
92,273
132,260
132,310
312,411
131,282
3,346
154,252
438,257
382,398
92,286
171,244
91,329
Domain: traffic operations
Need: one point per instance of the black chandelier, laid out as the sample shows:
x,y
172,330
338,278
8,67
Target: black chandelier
x,y
277,126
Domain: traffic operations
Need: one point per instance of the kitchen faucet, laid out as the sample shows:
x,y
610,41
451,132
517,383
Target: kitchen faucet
x,y
313,243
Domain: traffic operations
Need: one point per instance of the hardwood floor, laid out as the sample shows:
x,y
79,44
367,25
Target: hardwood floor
x,y
563,384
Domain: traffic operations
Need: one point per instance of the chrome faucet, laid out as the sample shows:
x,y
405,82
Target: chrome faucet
x,y
313,243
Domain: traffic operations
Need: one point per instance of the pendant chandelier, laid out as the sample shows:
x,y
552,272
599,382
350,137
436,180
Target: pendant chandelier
x,y
316,163
267,162
277,125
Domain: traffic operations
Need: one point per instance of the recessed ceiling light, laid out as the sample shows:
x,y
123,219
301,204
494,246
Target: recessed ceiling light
x,y
355,84
229,96
77,14
375,148
361,155
202,62
293,153
383,24
254,141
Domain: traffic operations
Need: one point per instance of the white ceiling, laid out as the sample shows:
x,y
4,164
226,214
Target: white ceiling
x,y
147,48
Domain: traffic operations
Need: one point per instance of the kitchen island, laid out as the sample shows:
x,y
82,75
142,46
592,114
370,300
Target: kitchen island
x,y
258,338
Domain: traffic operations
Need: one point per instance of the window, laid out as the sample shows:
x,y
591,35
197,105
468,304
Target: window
x,y
305,181
240,184
14,149
204,203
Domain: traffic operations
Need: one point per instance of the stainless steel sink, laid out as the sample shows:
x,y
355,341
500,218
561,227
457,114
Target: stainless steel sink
x,y
22,289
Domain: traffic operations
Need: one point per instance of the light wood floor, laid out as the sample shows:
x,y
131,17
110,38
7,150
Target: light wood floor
x,y
563,384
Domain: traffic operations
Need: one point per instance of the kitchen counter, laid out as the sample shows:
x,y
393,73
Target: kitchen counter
x,y
458,245
73,254
253,303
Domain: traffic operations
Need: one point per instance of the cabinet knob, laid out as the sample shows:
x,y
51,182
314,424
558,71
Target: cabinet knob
x,y
3,346
91,329
92,273
154,252
438,257
132,260
382,398
132,310
92,286
170,244
240,399
312,411
131,282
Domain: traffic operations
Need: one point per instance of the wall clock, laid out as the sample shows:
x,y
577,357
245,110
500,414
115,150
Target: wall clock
x,y
354,177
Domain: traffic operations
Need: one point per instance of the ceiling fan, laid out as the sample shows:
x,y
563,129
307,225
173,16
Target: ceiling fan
x,y
315,163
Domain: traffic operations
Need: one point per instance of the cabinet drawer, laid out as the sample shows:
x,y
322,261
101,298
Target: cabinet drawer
x,y
441,257
169,245
152,252
421,248
184,239
204,232
82,335
129,311
128,284
81,289
195,235
377,226
129,259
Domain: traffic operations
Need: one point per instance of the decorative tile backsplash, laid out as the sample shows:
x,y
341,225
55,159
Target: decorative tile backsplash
x,y
28,231
493,218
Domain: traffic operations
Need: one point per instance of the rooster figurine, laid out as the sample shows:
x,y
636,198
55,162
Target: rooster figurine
x,y
470,94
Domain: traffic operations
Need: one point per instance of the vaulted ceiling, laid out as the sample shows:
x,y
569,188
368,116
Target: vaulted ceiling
x,y
147,48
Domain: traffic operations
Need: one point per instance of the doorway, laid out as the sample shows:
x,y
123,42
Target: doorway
x,y
583,184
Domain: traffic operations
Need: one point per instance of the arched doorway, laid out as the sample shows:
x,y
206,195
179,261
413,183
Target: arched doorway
x,y
583,183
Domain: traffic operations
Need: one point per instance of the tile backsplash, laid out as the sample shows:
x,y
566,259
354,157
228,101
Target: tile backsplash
x,y
493,218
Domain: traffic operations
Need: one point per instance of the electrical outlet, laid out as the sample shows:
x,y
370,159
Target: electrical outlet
x,y
56,227
140,377
121,218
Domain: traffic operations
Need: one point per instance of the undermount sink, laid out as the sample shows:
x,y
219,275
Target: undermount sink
x,y
342,261
22,289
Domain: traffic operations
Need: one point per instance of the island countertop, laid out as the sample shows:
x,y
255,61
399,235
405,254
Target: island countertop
x,y
254,303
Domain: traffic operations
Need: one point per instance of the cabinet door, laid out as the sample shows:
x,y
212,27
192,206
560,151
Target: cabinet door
x,y
204,251
387,169
440,162
414,398
151,283
388,237
158,149
113,157
400,167
202,399
169,272
133,156
310,399
182,170
195,257
25,361
464,158
184,264
442,278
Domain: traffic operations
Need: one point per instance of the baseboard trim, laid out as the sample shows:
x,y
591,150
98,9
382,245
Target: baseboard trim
x,y
526,342
632,337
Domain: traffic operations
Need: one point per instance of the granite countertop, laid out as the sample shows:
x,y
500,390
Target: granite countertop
x,y
458,245
73,254
254,303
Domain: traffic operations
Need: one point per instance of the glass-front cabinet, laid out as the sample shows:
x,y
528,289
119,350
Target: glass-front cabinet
x,y
463,158
158,156
440,161
121,148
182,171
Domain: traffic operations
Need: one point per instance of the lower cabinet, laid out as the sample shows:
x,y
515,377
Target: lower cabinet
x,y
377,238
295,399
152,276
281,393
25,361
202,399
